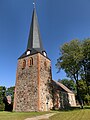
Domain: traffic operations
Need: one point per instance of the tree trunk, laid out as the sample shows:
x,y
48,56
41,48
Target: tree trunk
x,y
78,93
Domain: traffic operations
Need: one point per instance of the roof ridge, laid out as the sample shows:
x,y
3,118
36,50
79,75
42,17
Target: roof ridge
x,y
63,86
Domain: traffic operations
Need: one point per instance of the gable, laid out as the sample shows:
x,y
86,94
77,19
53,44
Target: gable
x,y
62,87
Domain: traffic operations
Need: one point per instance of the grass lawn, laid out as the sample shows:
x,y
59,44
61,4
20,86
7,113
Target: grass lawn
x,y
19,115
72,115
79,114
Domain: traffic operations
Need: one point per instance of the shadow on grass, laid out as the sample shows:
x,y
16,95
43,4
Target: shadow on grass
x,y
72,108
87,107
68,109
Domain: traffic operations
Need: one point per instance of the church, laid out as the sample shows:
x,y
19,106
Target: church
x,y
33,75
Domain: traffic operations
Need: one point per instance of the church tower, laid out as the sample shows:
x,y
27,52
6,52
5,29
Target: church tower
x,y
33,74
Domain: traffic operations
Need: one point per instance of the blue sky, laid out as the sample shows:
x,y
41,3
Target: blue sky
x,y
60,21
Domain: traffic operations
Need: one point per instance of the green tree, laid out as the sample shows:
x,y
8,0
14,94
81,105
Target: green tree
x,y
10,91
69,84
82,90
75,61
70,61
85,71
2,95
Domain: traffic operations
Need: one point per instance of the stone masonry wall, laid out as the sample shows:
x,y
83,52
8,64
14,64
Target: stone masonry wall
x,y
45,76
31,90
26,90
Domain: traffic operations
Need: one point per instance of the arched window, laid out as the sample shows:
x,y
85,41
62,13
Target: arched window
x,y
23,64
30,62
45,65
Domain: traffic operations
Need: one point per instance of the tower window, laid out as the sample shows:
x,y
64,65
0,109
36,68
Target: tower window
x,y
28,52
30,62
23,64
44,53
45,64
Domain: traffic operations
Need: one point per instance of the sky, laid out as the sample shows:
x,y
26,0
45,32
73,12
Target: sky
x,y
60,21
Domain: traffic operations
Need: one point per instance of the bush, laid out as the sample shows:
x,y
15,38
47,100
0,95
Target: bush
x,y
2,107
87,99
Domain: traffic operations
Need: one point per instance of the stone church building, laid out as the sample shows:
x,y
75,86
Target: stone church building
x,y
32,91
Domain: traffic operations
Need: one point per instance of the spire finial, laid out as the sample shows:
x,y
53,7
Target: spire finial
x,y
34,3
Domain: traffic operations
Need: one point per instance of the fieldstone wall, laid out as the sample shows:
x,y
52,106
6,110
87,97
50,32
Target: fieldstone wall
x,y
45,76
26,89
31,84
32,91
64,101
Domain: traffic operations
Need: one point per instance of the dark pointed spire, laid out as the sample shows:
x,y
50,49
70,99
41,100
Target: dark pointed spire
x,y
34,40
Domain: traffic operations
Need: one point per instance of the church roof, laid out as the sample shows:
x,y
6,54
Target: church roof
x,y
63,86
34,40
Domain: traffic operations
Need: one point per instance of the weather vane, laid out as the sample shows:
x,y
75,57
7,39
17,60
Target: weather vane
x,y
34,3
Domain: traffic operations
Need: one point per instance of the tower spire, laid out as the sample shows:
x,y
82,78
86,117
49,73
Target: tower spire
x,y
34,40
